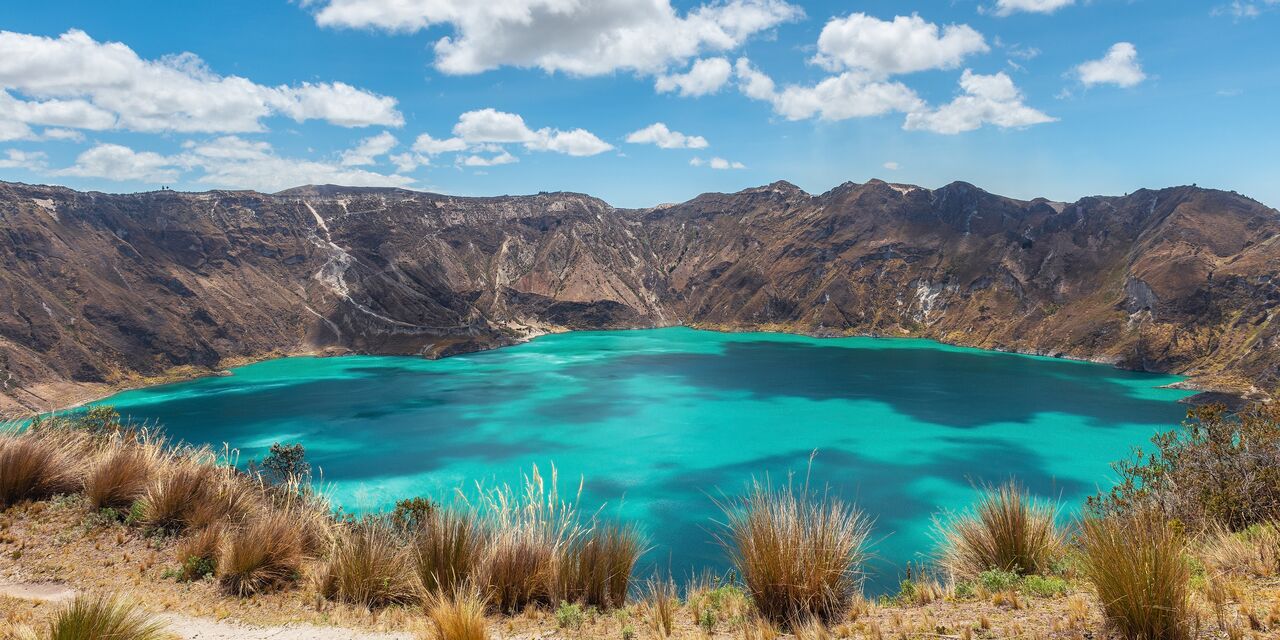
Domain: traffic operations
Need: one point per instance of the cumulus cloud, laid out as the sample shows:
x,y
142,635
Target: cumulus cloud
x,y
228,161
425,144
503,157
1119,67
904,45
658,134
499,127
77,82
852,94
121,164
717,163
579,38
1008,7
986,99
18,159
892,166
369,149
705,77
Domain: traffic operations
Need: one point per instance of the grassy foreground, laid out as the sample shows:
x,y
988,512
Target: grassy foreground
x,y
1184,547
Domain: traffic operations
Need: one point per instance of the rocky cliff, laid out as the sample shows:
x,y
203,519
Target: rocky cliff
x,y
100,290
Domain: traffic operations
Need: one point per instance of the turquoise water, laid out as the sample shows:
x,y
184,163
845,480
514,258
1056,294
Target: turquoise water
x,y
660,423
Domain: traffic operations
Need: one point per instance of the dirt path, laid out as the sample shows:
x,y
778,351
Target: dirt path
x,y
194,628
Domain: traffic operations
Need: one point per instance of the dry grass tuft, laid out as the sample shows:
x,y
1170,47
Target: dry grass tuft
x,y
661,599
1007,530
37,466
367,566
596,570
197,554
458,615
1252,552
103,618
1140,568
263,554
121,473
447,547
800,554
529,534
176,495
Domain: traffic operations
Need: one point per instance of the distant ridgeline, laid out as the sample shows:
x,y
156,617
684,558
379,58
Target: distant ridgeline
x,y
107,290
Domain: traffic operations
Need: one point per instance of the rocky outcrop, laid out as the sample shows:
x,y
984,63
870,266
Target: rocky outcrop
x,y
100,290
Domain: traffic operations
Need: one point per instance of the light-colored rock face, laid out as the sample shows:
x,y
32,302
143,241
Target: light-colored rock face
x,y
118,286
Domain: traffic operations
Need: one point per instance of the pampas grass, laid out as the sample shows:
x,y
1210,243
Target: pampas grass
x,y
800,554
1007,530
1139,566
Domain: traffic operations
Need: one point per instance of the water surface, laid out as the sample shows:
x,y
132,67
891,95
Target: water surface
x,y
662,422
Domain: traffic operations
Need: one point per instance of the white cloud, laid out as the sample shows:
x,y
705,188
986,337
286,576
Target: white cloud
x,y
62,134
499,127
987,99
721,163
852,94
658,134
503,157
1007,7
717,163
572,36
75,81
237,163
1119,67
120,163
430,146
18,159
369,149
406,162
892,166
905,45
705,77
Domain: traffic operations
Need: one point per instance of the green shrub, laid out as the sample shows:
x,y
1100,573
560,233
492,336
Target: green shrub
x,y
1045,586
996,580
1218,469
412,513
569,616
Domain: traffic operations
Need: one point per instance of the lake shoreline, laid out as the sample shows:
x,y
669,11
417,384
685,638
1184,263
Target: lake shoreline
x,y
88,393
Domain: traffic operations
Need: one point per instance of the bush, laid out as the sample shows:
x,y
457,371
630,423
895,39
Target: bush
x,y
368,567
1139,566
799,554
1007,530
283,464
36,466
1218,469
412,513
447,547
458,616
261,555
1045,586
597,568
90,618
569,616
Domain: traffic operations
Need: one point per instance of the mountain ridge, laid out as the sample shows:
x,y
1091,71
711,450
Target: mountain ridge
x,y
103,291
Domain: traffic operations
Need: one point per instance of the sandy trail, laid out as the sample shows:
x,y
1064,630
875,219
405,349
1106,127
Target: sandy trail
x,y
195,628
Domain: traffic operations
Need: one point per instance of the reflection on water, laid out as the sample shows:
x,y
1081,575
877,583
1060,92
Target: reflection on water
x,y
661,422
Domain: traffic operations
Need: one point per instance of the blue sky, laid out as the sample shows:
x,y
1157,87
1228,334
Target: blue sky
x,y
1054,98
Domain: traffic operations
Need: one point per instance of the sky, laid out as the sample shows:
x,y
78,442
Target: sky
x,y
642,102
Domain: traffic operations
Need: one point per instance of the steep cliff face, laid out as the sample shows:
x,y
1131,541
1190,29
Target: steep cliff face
x,y
102,290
